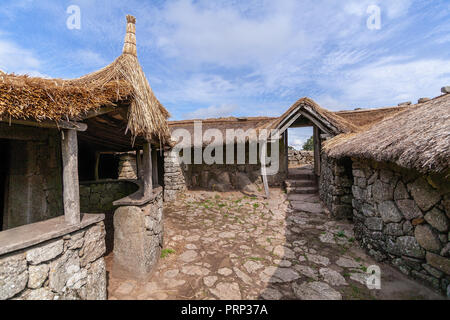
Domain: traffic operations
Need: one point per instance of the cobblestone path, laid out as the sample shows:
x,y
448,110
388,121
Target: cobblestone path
x,y
230,246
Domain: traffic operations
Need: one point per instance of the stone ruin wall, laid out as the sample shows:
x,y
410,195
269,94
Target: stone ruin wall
x,y
335,187
71,267
403,217
300,158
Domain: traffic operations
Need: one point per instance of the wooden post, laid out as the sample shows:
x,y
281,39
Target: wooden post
x,y
264,168
147,166
71,187
286,149
97,164
155,167
317,147
139,164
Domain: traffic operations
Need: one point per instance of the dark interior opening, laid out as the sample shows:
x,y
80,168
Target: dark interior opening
x,y
4,171
86,162
108,167
160,162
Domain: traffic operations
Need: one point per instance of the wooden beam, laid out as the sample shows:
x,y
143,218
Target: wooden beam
x,y
99,112
78,126
148,172
71,187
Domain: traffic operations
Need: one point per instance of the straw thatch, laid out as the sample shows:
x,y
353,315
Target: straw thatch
x,y
364,118
122,82
417,137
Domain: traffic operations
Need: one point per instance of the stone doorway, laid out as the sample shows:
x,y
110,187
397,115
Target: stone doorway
x,y
4,168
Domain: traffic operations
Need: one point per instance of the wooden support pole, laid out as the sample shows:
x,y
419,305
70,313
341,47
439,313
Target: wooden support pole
x,y
139,168
317,147
71,187
263,145
155,167
97,164
148,172
286,150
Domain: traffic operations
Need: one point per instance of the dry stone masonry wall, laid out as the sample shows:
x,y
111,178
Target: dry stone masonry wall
x,y
71,267
128,166
301,157
402,217
99,196
174,180
335,186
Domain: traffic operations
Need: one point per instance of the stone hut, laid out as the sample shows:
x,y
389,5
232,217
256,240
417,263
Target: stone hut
x,y
51,133
392,177
196,136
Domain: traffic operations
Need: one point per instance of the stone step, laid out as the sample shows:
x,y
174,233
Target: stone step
x,y
311,198
302,190
302,176
307,207
300,183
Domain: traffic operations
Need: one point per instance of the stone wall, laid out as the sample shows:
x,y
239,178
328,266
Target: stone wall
x,y
335,186
35,174
71,267
301,157
138,237
174,180
402,217
98,196
218,177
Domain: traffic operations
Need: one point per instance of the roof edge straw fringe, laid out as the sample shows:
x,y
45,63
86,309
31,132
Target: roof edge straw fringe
x,y
416,138
123,81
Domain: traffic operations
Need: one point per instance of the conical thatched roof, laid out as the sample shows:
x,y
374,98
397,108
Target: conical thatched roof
x,y
121,82
417,137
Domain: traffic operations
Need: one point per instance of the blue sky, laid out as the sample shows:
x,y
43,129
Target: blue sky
x,y
243,58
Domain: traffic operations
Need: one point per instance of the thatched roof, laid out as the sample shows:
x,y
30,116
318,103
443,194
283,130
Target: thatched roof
x,y
331,120
364,118
305,106
416,137
121,82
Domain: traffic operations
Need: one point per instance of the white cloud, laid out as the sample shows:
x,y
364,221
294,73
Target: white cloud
x,y
390,81
89,58
16,59
211,112
297,137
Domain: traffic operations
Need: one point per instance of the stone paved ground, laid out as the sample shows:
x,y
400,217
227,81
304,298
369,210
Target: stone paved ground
x,y
230,246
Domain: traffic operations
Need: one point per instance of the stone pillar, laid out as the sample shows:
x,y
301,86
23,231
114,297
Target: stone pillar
x,y
138,238
174,181
127,167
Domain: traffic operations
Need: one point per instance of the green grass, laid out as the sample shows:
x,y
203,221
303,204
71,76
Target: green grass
x,y
166,252
256,259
